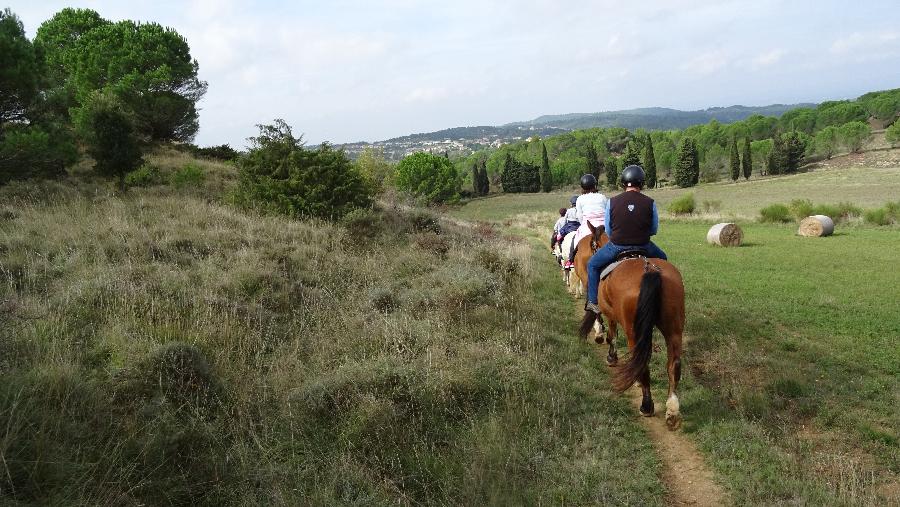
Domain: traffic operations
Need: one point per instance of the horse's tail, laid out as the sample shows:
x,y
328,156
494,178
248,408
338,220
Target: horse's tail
x,y
645,318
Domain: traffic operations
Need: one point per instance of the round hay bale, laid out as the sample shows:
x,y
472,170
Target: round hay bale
x,y
725,234
816,226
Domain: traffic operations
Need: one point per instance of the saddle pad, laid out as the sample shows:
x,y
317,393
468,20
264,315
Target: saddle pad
x,y
609,269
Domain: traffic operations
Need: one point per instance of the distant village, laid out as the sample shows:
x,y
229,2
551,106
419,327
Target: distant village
x,y
458,142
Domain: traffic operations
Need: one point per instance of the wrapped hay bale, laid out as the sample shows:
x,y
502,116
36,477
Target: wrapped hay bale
x,y
725,234
816,226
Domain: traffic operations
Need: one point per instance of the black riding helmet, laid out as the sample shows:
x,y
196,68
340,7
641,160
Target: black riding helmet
x,y
588,182
573,200
633,176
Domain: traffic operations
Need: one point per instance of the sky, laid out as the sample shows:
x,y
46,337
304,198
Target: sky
x,y
344,71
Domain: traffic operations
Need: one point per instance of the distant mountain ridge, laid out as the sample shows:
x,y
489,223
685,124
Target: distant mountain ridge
x,y
656,118
465,140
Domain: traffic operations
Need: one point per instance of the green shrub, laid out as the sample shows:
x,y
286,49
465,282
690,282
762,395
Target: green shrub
x,y
191,175
144,176
279,175
683,205
775,213
32,152
887,215
109,132
840,212
801,208
430,177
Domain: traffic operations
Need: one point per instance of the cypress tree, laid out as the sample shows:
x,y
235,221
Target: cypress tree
x,y
794,148
695,166
686,168
734,161
476,179
777,158
747,160
485,182
593,163
631,156
546,175
650,164
508,178
612,172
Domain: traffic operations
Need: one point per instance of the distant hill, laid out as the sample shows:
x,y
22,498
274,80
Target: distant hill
x,y
656,118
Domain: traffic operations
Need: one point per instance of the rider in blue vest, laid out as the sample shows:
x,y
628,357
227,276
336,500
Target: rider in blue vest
x,y
631,218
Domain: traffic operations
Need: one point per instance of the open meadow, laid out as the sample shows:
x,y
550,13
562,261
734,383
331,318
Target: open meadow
x,y
793,357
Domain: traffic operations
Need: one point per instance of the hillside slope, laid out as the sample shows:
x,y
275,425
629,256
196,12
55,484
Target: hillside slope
x,y
162,347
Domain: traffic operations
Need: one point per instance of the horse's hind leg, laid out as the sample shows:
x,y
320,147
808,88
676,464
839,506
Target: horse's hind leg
x,y
647,407
612,357
673,366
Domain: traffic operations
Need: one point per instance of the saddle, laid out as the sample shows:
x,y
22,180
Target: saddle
x,y
631,253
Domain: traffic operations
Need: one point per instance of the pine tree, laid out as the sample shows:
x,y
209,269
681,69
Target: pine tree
x,y
546,175
593,163
686,168
777,161
650,164
747,160
734,161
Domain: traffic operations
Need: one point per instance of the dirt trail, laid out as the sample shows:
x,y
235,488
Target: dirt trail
x,y
686,477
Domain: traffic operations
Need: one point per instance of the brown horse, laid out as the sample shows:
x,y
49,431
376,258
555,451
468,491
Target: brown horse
x,y
637,296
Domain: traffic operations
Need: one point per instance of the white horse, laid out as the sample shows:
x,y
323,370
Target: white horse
x,y
561,251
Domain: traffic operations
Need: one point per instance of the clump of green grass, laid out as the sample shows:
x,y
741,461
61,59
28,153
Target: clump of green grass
x,y
887,215
683,205
775,213
190,175
144,176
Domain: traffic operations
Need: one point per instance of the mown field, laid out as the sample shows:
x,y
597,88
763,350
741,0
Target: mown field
x,y
163,348
793,359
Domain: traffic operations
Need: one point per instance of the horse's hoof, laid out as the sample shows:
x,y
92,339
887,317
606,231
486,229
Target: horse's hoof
x,y
673,421
612,360
648,414
599,339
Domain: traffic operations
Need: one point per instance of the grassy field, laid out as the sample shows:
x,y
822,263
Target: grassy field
x,y
793,360
867,187
163,348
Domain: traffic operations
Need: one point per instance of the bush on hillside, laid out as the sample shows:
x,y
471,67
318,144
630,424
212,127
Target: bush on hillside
x,y
191,175
775,213
684,205
32,152
144,176
431,178
279,175
109,132
892,134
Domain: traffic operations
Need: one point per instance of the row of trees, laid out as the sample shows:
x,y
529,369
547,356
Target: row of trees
x,y
825,130
113,87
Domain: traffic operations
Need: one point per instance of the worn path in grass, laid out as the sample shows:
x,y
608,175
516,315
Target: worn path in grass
x,y
685,474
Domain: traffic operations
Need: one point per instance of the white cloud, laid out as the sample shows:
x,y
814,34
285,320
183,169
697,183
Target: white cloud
x,y
768,58
427,94
706,63
871,46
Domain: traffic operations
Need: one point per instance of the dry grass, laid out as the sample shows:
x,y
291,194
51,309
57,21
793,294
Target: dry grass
x,y
160,347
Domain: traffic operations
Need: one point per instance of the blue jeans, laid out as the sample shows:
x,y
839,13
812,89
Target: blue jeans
x,y
605,256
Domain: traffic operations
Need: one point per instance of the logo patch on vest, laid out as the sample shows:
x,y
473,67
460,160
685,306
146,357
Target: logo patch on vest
x,y
631,207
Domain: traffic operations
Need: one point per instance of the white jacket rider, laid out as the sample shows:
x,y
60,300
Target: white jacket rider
x,y
590,205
